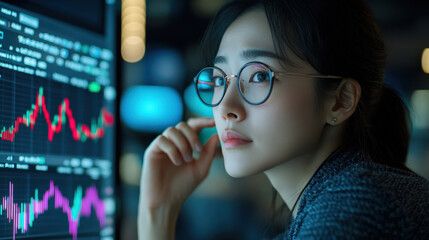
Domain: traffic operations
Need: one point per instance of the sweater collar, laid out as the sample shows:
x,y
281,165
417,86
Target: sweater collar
x,y
336,162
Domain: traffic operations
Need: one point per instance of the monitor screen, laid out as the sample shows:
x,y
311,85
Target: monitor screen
x,y
57,118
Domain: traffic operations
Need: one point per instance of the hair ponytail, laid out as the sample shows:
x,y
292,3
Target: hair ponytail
x,y
385,136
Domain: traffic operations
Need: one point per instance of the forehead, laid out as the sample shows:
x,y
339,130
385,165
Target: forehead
x,y
250,30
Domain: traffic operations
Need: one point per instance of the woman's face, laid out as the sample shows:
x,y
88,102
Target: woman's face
x,y
285,126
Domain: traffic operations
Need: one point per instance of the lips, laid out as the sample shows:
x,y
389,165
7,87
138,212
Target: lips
x,y
233,139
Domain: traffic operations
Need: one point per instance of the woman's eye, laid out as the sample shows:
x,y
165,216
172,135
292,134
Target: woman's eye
x,y
260,77
218,81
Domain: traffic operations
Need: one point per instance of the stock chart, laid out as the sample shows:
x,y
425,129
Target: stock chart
x,y
57,127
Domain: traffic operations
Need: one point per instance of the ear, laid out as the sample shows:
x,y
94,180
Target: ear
x,y
344,104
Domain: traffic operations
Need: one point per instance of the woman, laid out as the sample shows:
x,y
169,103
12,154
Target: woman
x,y
297,93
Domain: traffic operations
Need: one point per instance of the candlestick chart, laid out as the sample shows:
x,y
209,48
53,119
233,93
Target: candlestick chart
x,y
46,205
53,118
23,215
82,132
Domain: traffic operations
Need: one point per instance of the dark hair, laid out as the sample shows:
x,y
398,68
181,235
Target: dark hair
x,y
336,37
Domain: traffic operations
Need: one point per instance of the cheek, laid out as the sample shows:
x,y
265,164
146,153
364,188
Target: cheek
x,y
291,121
292,106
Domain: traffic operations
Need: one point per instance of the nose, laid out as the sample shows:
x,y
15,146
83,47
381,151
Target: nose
x,y
232,105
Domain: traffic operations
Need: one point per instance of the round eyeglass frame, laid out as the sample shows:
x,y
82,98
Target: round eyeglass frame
x,y
272,75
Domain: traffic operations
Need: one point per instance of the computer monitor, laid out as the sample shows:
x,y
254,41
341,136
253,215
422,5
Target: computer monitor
x,y
57,118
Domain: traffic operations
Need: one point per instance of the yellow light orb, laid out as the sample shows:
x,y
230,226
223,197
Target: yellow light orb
x,y
133,49
425,60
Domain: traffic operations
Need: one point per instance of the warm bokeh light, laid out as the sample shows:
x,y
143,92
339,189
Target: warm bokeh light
x,y
133,48
130,168
128,3
133,30
425,60
132,17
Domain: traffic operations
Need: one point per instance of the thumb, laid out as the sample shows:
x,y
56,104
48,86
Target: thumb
x,y
207,155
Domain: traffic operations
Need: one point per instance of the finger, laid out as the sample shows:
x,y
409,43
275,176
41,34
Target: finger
x,y
199,123
207,155
191,136
170,149
177,138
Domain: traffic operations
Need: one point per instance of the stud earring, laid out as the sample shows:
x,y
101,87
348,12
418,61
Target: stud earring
x,y
334,120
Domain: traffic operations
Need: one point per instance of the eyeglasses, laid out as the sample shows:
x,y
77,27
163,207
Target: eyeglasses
x,y
254,80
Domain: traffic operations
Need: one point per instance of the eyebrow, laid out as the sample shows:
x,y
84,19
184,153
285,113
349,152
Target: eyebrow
x,y
248,55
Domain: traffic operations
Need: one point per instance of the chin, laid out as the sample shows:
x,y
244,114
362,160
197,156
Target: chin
x,y
235,174
240,164
239,168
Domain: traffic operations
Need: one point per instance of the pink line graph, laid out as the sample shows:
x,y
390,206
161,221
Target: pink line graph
x,y
22,215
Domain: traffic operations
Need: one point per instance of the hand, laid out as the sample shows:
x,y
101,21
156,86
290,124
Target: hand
x,y
170,173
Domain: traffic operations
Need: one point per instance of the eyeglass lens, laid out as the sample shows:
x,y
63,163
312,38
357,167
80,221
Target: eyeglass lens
x,y
254,84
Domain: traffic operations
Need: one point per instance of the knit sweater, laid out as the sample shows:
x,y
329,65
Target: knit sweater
x,y
350,197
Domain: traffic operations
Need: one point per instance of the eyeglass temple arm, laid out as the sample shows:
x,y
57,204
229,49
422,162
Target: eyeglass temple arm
x,y
309,75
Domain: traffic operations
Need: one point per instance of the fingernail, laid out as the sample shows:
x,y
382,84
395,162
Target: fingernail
x,y
188,158
198,147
